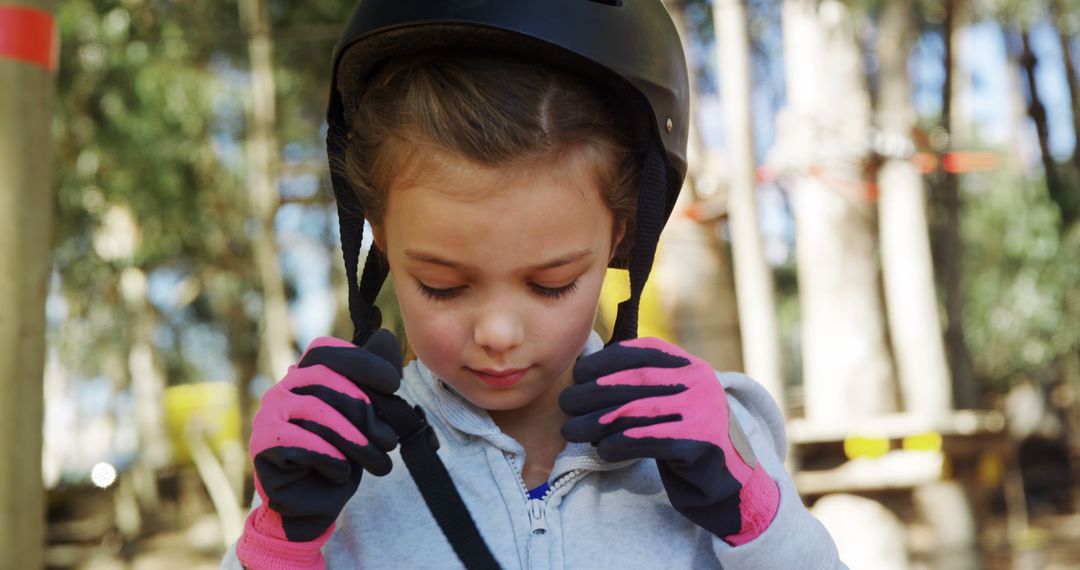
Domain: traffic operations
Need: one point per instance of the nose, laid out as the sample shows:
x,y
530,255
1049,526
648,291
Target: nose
x,y
498,330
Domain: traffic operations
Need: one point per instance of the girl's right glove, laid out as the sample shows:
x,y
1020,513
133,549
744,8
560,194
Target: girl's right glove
x,y
313,437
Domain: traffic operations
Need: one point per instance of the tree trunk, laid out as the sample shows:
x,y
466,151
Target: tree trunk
x,y
846,361
965,393
243,354
26,207
147,380
1065,39
753,278
907,265
693,269
276,338
1037,111
1020,149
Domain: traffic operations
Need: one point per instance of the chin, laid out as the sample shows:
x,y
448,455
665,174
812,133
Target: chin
x,y
499,400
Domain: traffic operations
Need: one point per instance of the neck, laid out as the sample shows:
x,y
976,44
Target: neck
x,y
536,427
538,418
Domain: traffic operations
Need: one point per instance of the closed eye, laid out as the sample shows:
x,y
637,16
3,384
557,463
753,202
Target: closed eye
x,y
555,292
439,294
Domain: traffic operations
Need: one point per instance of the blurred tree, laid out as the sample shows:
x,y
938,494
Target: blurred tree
x,y
1019,277
907,265
1023,282
26,224
141,193
1037,111
151,120
950,258
275,331
1065,15
693,272
753,278
822,147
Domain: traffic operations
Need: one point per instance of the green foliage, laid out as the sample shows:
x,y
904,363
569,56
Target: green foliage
x,y
134,120
304,37
1022,281
136,111
151,118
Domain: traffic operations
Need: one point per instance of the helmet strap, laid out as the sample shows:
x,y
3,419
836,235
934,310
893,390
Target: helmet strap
x,y
365,316
650,220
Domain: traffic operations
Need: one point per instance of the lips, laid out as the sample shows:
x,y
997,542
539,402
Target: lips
x,y
499,379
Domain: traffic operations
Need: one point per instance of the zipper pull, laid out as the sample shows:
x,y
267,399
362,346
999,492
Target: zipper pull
x,y
539,517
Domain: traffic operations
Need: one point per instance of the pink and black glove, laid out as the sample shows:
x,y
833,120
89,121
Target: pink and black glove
x,y
313,437
645,398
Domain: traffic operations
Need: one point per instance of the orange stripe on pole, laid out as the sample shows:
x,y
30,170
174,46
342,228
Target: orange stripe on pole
x,y
960,161
27,34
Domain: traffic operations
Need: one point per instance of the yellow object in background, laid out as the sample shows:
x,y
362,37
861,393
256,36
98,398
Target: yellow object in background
x,y
652,319
865,446
930,441
211,407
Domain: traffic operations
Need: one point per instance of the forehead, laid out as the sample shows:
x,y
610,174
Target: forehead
x,y
580,166
484,214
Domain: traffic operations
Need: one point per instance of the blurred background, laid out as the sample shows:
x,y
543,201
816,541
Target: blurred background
x,y
879,225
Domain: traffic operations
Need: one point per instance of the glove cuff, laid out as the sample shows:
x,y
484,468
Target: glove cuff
x,y
260,548
759,500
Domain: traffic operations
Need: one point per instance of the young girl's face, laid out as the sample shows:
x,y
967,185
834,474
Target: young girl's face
x,y
498,272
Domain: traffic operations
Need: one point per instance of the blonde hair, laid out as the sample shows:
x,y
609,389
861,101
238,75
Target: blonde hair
x,y
491,109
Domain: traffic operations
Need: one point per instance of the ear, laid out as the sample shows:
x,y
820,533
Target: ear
x,y
378,232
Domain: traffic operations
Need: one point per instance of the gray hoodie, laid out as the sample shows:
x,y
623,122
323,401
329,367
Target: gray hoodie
x,y
595,515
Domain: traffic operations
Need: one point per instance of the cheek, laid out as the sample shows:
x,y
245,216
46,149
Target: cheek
x,y
434,333
575,318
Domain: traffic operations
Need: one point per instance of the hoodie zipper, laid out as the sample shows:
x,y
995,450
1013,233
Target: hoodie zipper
x,y
538,507
538,518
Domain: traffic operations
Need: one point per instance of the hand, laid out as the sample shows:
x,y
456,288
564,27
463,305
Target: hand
x,y
645,398
313,437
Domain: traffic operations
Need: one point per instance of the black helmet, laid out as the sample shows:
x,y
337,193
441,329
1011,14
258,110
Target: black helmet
x,y
629,48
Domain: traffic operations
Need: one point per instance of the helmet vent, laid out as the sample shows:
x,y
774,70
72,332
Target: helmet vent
x,y
616,3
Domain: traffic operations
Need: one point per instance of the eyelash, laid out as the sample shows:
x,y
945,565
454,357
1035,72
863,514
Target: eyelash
x,y
555,292
438,294
447,294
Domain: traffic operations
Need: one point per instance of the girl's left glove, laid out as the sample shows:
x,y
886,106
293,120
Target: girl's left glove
x,y
646,398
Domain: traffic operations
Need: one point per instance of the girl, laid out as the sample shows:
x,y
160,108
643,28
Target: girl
x,y
505,154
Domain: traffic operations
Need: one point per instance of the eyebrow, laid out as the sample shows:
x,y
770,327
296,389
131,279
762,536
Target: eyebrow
x,y
551,264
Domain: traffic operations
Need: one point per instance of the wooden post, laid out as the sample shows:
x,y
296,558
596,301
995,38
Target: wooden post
x,y
753,277
847,367
951,256
907,265
693,272
27,62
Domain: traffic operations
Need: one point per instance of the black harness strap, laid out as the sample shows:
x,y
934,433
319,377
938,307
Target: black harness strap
x,y
418,445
